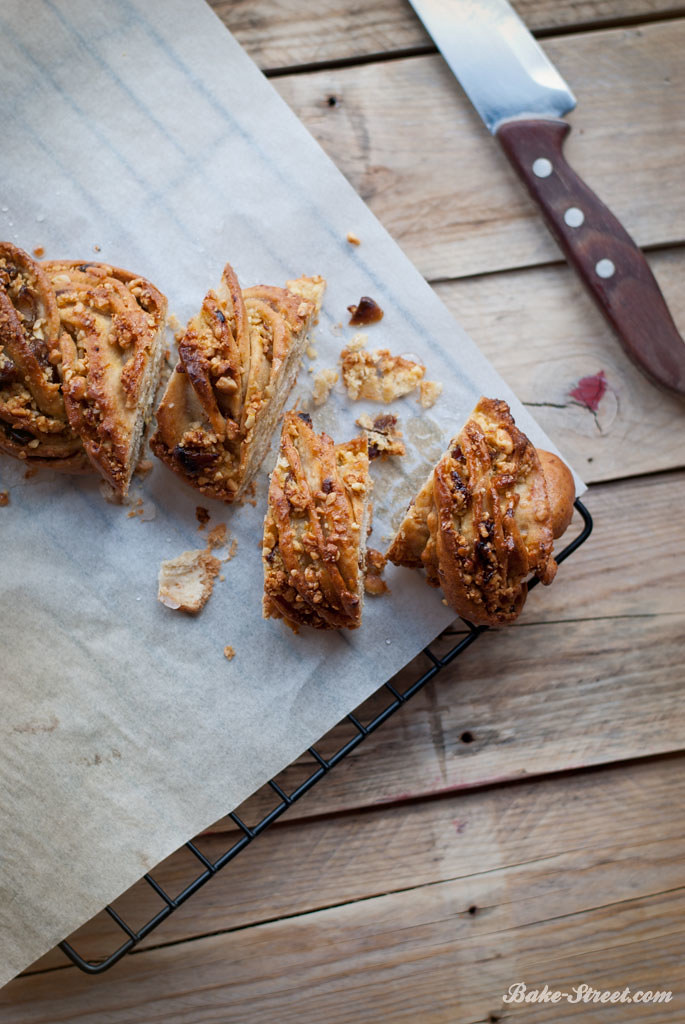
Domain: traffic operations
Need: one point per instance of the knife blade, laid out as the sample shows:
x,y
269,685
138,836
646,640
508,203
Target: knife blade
x,y
522,98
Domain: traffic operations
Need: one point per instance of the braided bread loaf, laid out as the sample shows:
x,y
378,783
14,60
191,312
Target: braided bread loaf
x,y
80,354
486,518
111,346
315,529
33,419
238,360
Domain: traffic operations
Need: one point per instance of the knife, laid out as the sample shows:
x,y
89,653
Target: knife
x,y
522,98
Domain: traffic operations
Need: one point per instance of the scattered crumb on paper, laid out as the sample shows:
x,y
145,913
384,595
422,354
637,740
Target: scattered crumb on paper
x,y
311,352
374,584
383,435
323,383
186,582
143,468
353,239
216,538
378,375
202,516
429,392
39,252
229,653
357,341
4,499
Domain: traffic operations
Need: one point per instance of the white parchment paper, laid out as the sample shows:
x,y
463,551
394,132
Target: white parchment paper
x,y
141,127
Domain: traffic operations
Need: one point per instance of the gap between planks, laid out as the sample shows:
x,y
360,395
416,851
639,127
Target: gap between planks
x,y
592,884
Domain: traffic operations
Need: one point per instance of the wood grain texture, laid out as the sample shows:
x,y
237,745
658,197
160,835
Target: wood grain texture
x,y
532,699
299,868
548,882
285,33
411,144
541,331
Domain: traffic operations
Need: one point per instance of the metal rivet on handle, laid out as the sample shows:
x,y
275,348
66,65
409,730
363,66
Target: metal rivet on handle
x,y
542,168
605,268
574,217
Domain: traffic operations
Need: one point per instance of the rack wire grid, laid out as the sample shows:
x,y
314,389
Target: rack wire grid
x,y
207,867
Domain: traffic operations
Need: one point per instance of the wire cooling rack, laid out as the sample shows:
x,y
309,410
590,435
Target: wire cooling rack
x,y
127,936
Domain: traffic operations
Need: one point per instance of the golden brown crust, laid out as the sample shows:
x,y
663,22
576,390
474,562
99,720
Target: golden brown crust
x,y
482,524
561,491
111,342
237,361
33,418
315,529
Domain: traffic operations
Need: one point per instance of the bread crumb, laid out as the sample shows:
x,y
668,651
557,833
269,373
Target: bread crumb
x,y
429,392
222,578
202,516
311,352
379,375
39,252
248,495
357,342
175,324
229,652
4,499
323,383
383,435
375,564
353,239
186,582
216,538
96,248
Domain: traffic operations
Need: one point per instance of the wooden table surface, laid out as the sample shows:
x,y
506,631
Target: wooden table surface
x,y
522,819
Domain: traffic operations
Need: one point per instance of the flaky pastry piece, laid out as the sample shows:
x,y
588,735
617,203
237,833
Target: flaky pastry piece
x,y
483,522
186,582
33,419
315,530
379,375
111,348
238,360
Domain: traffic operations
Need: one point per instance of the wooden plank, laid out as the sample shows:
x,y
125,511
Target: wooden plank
x,y
599,903
413,147
296,869
542,332
285,34
530,700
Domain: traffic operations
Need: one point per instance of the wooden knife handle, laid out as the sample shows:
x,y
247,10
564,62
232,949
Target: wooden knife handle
x,y
609,262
